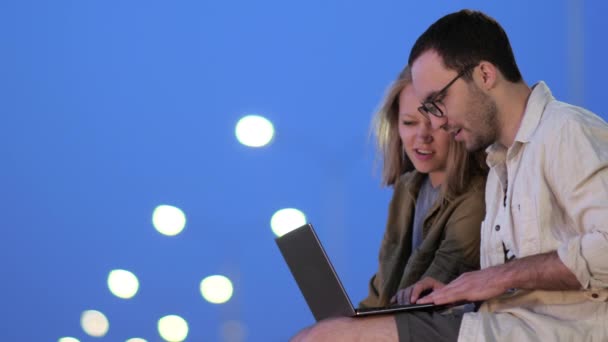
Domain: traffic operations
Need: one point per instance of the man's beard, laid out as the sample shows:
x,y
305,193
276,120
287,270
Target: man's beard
x,y
483,121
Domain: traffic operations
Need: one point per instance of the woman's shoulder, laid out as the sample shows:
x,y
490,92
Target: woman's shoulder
x,y
474,193
406,187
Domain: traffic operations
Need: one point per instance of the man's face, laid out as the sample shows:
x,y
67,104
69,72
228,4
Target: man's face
x,y
470,115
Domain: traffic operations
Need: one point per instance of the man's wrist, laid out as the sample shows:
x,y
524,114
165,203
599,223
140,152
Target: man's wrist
x,y
508,276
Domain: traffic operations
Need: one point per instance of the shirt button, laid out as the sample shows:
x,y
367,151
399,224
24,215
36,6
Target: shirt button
x,y
497,228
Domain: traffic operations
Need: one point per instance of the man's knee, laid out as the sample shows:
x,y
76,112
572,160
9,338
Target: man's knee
x,y
327,330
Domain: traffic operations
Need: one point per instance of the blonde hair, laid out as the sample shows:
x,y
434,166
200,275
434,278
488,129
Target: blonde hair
x,y
462,167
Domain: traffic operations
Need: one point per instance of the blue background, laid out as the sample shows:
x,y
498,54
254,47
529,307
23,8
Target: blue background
x,y
110,108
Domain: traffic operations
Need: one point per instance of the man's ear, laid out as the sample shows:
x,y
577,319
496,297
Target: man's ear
x,y
488,75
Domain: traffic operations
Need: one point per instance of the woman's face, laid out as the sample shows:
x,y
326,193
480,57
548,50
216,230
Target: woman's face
x,y
425,147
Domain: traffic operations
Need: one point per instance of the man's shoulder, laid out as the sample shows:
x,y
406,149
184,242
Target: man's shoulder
x,y
558,113
560,116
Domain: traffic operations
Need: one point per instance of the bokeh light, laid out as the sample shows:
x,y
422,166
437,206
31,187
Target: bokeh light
x,y
254,131
286,220
216,289
233,331
136,339
68,339
94,323
173,328
123,284
168,220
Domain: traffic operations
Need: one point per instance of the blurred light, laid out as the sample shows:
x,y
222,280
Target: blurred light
x,y
254,131
67,339
233,331
216,289
286,220
168,220
123,284
94,323
173,328
136,339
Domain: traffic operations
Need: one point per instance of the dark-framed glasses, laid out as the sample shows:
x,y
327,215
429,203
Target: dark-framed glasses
x,y
430,106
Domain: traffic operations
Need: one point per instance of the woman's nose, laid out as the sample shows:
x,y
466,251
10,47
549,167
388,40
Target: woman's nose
x,y
425,131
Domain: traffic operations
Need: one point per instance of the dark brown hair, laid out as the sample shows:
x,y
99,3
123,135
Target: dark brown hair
x,y
465,38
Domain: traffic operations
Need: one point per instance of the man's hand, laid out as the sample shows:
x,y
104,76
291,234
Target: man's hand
x,y
412,293
402,297
469,287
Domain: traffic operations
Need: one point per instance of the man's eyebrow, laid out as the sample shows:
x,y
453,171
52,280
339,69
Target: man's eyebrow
x,y
431,95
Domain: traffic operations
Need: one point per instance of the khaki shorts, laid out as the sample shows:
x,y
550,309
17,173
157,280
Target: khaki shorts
x,y
428,326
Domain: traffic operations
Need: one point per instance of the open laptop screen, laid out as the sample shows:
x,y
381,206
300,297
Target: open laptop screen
x,y
314,274
318,280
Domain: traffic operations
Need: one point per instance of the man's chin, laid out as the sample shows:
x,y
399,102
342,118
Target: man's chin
x,y
475,145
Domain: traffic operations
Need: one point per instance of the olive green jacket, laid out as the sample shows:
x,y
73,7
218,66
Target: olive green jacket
x,y
450,244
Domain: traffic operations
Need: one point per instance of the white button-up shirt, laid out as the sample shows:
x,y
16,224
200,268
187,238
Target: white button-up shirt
x,y
547,192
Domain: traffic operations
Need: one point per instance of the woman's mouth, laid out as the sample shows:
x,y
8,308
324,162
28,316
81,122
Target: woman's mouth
x,y
423,154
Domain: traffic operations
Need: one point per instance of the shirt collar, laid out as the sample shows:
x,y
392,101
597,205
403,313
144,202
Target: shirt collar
x,y
540,96
496,154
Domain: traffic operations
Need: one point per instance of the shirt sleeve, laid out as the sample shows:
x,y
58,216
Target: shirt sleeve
x,y
578,173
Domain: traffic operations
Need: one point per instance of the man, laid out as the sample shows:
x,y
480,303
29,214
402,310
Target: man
x,y
544,240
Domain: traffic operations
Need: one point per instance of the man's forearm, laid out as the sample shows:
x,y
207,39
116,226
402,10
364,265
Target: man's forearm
x,y
539,272
536,272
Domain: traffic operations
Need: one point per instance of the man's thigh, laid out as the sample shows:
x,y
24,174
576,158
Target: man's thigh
x,y
428,326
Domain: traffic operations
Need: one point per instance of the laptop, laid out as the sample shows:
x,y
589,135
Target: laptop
x,y
318,281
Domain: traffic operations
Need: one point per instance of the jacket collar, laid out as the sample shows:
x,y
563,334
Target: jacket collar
x,y
412,182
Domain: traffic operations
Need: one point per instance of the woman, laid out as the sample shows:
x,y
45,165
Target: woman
x,y
437,207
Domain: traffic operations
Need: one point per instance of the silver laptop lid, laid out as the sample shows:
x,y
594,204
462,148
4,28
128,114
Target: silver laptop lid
x,y
314,274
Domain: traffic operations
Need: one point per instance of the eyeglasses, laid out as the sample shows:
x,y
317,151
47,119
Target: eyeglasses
x,y
430,107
